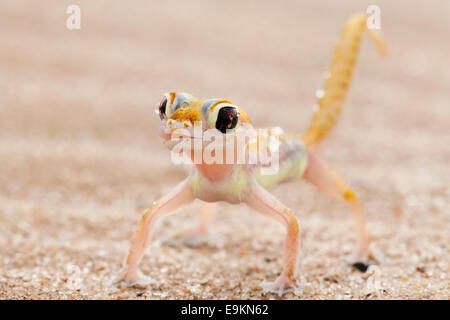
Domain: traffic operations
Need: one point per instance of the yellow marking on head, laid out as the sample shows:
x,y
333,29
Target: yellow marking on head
x,y
191,114
172,96
220,101
243,116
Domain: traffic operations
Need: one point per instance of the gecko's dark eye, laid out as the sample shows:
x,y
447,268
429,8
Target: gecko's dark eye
x,y
227,119
162,108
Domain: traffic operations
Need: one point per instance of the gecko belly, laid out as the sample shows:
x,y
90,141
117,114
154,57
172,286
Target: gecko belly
x,y
232,189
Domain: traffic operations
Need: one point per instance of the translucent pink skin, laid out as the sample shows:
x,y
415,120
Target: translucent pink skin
x,y
255,196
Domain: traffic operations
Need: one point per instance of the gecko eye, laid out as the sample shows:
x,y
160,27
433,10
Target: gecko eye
x,y
227,119
162,108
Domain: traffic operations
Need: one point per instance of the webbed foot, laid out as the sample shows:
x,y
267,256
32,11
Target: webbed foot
x,y
132,278
283,284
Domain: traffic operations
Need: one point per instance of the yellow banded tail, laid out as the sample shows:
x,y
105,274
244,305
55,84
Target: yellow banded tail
x,y
338,78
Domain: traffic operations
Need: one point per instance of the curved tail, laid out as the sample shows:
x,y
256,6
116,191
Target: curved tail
x,y
338,78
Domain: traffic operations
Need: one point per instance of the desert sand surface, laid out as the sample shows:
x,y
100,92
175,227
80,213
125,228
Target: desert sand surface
x,y
80,156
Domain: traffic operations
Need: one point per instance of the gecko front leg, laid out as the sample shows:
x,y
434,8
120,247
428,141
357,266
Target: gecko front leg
x,y
178,198
265,203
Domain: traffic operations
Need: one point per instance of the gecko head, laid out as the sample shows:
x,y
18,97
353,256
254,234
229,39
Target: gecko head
x,y
184,115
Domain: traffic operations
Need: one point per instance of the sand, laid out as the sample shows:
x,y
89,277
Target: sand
x,y
80,158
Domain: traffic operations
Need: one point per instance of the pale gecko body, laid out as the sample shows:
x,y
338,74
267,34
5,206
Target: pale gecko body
x,y
244,182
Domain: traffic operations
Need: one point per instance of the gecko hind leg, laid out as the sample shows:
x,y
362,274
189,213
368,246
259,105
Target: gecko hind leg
x,y
199,234
322,176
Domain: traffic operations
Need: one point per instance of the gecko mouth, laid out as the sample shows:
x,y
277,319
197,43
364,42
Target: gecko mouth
x,y
174,132
186,136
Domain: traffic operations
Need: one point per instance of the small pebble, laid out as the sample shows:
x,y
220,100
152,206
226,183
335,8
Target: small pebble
x,y
361,266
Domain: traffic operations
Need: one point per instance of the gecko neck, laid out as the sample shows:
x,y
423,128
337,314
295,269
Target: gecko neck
x,y
215,172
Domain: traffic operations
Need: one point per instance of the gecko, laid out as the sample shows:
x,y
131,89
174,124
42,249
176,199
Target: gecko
x,y
244,181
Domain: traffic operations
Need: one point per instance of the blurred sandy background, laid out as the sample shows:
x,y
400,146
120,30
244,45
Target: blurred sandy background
x,y
80,158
